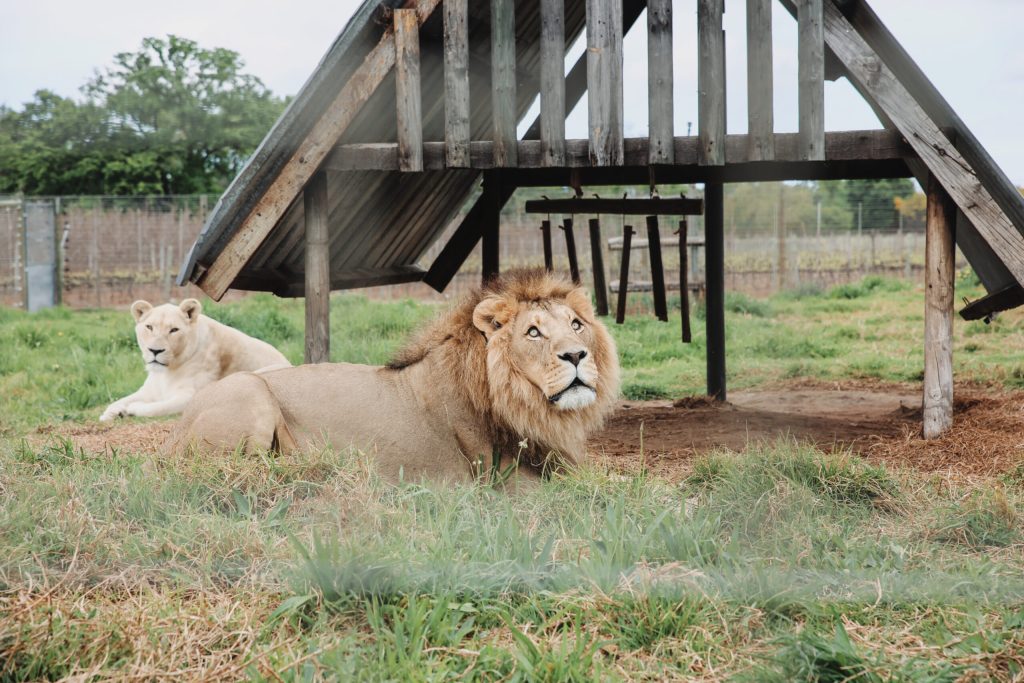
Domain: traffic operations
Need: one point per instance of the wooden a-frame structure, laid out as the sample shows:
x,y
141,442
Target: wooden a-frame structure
x,y
418,99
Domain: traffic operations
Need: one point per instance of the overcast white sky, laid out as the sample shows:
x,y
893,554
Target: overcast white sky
x,y
973,52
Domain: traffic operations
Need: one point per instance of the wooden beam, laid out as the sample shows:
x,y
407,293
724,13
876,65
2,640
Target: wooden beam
x,y
940,272
865,145
711,82
659,82
597,266
760,107
927,140
456,83
491,232
604,81
623,207
407,90
714,317
304,161
620,306
811,79
657,269
684,274
545,232
503,81
552,82
570,249
1000,300
318,268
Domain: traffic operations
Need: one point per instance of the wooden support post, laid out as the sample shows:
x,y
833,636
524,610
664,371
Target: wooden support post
x,y
714,317
627,240
657,270
760,111
545,232
570,248
811,68
604,82
938,312
552,82
711,82
491,231
407,90
597,264
684,284
318,269
659,82
503,81
456,83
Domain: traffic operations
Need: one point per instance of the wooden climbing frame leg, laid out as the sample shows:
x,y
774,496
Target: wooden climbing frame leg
x,y
938,312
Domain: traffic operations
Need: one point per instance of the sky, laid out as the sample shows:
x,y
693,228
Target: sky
x,y
973,53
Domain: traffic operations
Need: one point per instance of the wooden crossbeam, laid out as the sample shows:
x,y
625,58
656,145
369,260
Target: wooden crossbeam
x,y
623,207
711,82
659,82
456,83
811,78
305,160
760,107
407,90
927,140
604,81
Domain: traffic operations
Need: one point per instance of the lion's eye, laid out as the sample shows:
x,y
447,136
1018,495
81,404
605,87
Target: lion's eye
x,y
173,330
577,325
533,332
149,327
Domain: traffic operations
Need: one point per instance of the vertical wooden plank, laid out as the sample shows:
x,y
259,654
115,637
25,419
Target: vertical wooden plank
x,y
760,110
938,311
456,83
604,81
659,82
627,245
711,82
545,231
597,264
552,82
657,269
503,81
570,248
491,229
318,270
684,284
811,79
714,318
407,90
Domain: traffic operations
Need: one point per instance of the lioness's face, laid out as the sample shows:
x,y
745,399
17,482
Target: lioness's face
x,y
165,333
548,343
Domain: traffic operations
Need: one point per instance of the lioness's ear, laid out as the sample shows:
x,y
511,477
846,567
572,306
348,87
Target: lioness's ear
x,y
579,301
140,308
191,308
490,314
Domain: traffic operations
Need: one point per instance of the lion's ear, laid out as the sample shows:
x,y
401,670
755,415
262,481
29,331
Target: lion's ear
x,y
490,314
140,308
191,308
579,301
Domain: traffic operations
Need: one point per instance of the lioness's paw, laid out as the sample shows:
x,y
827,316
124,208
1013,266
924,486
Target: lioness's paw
x,y
111,414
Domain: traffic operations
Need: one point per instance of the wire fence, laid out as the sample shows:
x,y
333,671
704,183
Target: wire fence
x,y
114,250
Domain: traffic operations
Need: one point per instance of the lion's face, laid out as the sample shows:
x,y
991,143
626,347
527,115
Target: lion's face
x,y
551,355
167,333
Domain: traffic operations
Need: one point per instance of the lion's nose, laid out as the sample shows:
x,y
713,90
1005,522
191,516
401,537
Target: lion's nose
x,y
156,352
573,357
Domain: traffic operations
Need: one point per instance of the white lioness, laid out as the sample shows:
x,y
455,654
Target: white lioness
x,y
184,351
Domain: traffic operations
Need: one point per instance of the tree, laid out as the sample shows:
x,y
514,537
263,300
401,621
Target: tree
x,y
172,118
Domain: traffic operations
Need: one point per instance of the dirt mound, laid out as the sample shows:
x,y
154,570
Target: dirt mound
x,y
99,437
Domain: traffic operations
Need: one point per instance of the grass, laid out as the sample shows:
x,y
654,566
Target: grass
x,y
779,563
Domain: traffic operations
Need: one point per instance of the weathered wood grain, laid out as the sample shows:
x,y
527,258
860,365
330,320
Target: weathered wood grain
x,y
604,81
640,206
306,159
503,81
456,83
659,82
657,269
711,82
318,269
940,270
811,78
597,266
760,107
407,90
552,82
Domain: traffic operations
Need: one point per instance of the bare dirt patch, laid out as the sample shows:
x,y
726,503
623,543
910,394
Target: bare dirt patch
x,y
100,437
882,423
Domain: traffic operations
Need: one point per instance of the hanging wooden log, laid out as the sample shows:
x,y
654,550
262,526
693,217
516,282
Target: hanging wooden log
x,y
657,270
684,283
545,231
570,248
620,309
597,262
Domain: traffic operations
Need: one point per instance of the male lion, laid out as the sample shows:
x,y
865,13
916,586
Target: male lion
x,y
184,351
520,373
